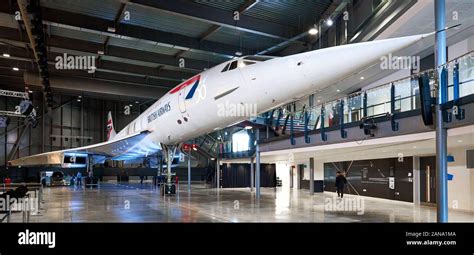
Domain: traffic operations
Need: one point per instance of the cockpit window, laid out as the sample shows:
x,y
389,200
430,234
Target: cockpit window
x,y
258,58
225,68
245,63
233,65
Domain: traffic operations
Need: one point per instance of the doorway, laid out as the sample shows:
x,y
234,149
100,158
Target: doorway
x,y
428,180
300,175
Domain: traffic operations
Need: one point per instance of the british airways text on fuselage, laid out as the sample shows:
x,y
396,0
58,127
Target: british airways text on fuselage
x,y
160,111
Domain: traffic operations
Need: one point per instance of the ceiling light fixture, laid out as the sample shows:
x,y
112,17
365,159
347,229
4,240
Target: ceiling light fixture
x,y
6,55
313,31
329,22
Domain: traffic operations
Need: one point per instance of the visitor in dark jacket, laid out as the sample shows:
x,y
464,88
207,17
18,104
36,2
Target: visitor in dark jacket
x,y
340,183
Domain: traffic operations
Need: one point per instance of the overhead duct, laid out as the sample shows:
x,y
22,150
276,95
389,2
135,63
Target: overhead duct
x,y
78,85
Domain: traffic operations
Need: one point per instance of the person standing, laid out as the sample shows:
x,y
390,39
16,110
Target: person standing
x,y
340,183
79,179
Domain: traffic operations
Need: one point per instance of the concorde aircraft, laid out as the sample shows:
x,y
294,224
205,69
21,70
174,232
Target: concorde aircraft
x,y
196,106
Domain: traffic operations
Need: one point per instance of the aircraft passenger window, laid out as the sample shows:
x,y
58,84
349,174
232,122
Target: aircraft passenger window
x,y
233,65
225,68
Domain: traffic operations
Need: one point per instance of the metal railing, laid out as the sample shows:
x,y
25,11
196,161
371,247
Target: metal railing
x,y
391,98
36,188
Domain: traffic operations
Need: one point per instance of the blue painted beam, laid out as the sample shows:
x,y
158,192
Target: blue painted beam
x,y
341,118
324,137
392,108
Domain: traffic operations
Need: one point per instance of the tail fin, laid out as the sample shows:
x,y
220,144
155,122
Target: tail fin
x,y
110,127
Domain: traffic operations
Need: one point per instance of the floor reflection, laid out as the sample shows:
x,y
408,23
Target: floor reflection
x,y
134,202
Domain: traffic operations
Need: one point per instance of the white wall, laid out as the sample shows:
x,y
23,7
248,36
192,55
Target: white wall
x,y
460,48
460,189
460,193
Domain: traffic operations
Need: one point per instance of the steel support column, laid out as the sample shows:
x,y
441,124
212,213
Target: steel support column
x,y
441,131
257,168
416,180
252,174
218,175
189,172
82,123
311,176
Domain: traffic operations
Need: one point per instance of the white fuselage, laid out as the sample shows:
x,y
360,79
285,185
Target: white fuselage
x,y
224,98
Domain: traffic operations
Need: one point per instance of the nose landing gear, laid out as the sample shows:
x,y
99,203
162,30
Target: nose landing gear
x,y
169,188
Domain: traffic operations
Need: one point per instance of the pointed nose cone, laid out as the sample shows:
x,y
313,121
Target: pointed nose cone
x,y
330,65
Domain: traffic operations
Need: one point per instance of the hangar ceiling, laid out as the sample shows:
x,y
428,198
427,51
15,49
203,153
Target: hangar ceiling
x,y
140,43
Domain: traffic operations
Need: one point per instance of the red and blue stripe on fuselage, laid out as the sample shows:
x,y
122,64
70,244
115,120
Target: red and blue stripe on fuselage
x,y
194,81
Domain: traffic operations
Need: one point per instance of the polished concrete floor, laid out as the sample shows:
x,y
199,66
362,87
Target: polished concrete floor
x,y
134,202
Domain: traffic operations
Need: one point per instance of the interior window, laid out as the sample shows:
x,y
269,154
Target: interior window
x,y
225,68
233,65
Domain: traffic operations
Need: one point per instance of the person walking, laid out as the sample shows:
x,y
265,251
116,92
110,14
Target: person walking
x,y
341,181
